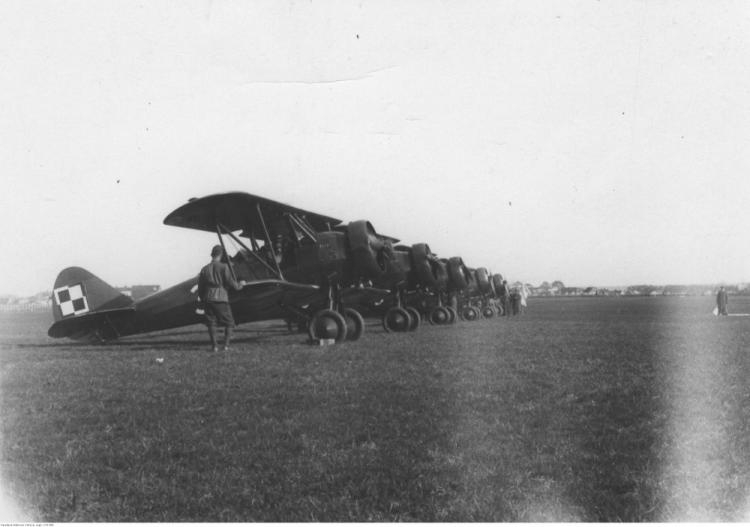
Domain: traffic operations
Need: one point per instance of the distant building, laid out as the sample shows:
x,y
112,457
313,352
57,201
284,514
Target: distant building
x,y
14,304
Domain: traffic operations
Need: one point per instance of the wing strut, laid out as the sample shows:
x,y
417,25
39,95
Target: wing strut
x,y
296,221
268,241
252,253
229,260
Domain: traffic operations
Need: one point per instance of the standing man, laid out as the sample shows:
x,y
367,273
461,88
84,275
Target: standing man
x,y
214,281
721,301
524,295
503,293
515,301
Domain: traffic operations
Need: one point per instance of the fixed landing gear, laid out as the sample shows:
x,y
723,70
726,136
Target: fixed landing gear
x,y
397,319
355,324
327,324
338,325
416,318
470,313
453,314
440,316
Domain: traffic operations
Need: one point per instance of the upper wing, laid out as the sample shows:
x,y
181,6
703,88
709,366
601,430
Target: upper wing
x,y
239,210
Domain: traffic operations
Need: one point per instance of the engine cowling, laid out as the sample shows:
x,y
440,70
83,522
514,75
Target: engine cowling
x,y
397,267
370,253
497,282
483,281
430,271
458,274
472,285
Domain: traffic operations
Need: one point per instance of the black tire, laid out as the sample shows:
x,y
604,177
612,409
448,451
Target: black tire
x,y
416,318
396,319
440,316
327,324
452,313
355,324
469,313
488,312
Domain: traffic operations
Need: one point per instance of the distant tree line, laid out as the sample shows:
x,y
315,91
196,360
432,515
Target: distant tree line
x,y
558,288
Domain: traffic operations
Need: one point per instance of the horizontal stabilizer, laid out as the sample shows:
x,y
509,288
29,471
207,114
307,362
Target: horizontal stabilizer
x,y
94,325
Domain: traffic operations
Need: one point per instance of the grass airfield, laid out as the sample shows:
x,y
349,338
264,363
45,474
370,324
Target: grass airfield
x,y
584,409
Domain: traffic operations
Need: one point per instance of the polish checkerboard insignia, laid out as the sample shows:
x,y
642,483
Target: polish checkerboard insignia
x,y
71,299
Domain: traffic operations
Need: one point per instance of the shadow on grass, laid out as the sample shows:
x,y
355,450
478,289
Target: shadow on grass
x,y
182,338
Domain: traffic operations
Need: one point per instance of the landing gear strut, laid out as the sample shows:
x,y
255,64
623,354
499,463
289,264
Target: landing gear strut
x,y
336,322
400,318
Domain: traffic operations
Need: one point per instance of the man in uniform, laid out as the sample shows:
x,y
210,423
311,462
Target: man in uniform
x,y
214,281
721,301
515,301
503,293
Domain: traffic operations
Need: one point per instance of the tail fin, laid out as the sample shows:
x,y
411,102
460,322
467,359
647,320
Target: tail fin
x,y
78,292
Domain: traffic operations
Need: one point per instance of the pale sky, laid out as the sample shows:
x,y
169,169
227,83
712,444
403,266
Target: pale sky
x,y
597,143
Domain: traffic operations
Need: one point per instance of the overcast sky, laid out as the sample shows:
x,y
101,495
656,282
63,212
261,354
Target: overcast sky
x,y
597,143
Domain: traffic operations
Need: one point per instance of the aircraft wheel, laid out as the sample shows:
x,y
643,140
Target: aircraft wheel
x,y
396,319
440,316
469,313
416,318
327,324
488,312
452,313
355,324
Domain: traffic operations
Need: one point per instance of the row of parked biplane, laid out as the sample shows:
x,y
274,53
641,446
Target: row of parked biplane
x,y
316,272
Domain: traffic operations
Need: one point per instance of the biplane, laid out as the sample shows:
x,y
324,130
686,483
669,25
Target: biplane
x,y
477,300
422,283
297,265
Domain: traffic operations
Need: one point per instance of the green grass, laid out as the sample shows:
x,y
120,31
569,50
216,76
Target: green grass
x,y
600,409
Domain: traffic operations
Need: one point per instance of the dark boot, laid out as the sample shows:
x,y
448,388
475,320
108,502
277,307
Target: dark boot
x,y
212,334
227,337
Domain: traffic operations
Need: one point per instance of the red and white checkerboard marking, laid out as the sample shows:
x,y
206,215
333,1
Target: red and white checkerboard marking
x,y
71,299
